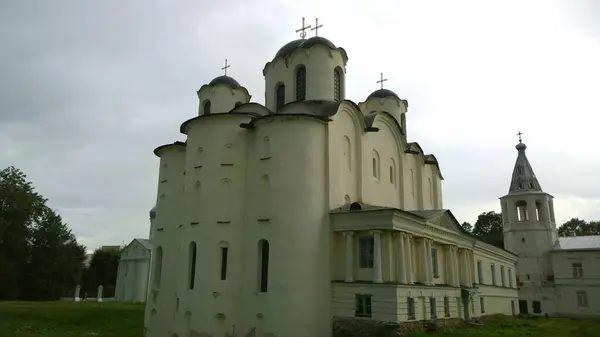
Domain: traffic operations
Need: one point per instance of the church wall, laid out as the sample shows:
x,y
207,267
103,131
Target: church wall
x,y
411,181
379,189
222,98
496,300
568,286
297,231
320,62
428,185
216,174
169,210
345,152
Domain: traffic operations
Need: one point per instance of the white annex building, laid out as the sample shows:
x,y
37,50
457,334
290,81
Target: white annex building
x,y
277,219
134,271
556,275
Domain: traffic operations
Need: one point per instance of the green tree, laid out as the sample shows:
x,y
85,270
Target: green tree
x,y
488,228
467,227
579,227
102,270
18,205
38,254
56,260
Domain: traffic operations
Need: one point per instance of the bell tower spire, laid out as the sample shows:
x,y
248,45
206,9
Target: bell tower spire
x,y
523,178
529,230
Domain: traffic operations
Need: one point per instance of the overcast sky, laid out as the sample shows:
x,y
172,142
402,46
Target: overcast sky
x,y
89,88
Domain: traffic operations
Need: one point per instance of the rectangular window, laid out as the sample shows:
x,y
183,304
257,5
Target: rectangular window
x,y
577,270
479,272
432,307
365,246
446,306
434,262
582,299
482,305
224,251
510,279
536,307
410,308
363,305
493,274
502,276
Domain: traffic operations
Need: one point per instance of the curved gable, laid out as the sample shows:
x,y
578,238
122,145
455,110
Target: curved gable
x,y
253,108
387,120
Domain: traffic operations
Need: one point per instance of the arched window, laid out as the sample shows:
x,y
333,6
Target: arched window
x,y
206,107
393,172
412,182
337,84
348,152
158,266
301,84
224,250
279,96
263,254
192,266
376,165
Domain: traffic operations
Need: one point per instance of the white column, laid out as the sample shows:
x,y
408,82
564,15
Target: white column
x,y
470,268
401,255
455,272
377,257
430,260
349,256
425,266
409,259
448,264
465,261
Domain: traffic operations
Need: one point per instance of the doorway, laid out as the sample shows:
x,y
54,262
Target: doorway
x,y
523,307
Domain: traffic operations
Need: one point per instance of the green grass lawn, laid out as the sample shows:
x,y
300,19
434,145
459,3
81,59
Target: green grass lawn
x,y
503,326
68,319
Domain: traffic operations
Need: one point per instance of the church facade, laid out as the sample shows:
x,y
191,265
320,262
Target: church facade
x,y
557,276
274,219
134,271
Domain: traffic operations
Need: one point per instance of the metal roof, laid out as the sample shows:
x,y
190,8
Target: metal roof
x,y
578,242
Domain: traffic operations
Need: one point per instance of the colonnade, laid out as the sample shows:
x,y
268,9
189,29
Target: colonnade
x,y
413,260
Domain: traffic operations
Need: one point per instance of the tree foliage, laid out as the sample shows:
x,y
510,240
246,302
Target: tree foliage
x,y
102,270
579,227
40,258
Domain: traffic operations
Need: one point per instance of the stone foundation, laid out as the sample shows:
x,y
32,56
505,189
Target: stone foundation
x,y
354,327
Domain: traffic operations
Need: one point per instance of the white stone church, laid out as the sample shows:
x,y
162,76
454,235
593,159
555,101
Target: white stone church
x,y
274,219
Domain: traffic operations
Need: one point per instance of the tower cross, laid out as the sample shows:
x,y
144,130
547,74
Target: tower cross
x,y
316,27
519,134
381,80
303,29
225,67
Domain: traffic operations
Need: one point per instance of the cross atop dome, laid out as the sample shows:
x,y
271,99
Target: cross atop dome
x,y
381,80
302,30
316,27
225,67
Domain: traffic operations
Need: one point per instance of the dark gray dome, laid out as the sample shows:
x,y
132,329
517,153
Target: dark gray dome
x,y
153,213
521,147
225,80
290,47
382,93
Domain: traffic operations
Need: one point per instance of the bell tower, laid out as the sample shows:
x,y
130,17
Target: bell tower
x,y
529,229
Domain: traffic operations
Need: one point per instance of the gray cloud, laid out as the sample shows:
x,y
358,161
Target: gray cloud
x,y
88,89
